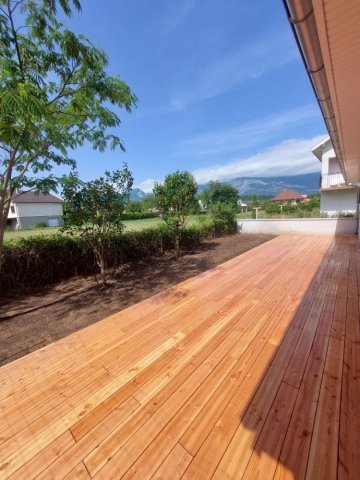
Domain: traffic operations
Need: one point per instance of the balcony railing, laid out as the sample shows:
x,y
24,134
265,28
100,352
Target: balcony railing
x,y
329,180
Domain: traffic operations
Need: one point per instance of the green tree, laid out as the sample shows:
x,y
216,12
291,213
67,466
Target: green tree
x,y
135,206
93,210
174,197
255,200
55,95
148,203
224,213
217,192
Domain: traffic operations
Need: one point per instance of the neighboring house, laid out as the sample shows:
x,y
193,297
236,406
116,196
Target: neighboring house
x,y
242,205
29,209
289,196
337,196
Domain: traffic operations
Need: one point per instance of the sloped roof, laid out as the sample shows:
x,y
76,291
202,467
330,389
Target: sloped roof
x,y
288,195
318,149
32,197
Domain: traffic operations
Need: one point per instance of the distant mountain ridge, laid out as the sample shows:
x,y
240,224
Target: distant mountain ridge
x,y
269,186
137,194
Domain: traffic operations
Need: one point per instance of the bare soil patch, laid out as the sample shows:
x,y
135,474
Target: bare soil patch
x,y
31,320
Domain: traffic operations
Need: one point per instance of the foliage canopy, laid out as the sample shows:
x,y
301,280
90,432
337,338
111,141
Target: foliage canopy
x,y
55,95
217,192
173,197
93,210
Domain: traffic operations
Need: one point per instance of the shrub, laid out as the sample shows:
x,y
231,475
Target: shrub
x,y
272,208
40,260
224,213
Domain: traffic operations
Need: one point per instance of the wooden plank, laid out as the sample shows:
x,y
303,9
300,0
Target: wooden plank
x,y
265,454
349,441
28,450
295,451
63,465
323,457
44,458
174,465
78,473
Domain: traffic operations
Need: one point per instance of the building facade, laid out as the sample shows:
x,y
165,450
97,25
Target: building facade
x,y
338,198
30,209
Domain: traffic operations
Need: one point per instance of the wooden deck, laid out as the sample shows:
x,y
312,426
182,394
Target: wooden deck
x,y
250,370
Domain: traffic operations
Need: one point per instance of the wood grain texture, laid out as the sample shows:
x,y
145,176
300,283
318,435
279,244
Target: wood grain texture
x,y
249,370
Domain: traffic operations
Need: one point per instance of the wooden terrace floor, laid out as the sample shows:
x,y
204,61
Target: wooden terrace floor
x,y
250,370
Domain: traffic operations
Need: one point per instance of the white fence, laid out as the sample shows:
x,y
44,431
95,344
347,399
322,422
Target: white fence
x,y
325,226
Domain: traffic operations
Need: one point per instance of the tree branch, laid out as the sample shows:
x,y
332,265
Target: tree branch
x,y
66,83
21,66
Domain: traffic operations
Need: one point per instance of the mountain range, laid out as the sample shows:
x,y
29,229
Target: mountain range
x,y
307,183
269,186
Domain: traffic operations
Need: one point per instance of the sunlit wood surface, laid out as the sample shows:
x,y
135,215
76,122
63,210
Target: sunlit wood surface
x,y
249,370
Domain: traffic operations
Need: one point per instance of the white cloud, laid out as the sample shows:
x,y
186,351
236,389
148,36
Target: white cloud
x,y
249,134
290,157
225,72
147,185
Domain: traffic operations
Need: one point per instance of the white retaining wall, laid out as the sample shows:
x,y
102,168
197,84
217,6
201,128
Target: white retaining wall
x,y
326,226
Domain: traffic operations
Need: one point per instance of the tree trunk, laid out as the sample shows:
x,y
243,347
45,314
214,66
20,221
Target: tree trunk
x,y
100,260
4,210
102,272
177,245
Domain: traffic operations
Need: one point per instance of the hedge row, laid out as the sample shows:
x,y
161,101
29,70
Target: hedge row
x,y
138,215
38,261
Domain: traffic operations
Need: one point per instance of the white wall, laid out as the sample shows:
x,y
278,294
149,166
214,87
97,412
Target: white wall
x,y
11,214
39,209
325,226
342,200
328,152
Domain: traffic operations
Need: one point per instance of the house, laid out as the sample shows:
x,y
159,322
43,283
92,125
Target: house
x,y
29,208
289,196
337,196
243,206
328,37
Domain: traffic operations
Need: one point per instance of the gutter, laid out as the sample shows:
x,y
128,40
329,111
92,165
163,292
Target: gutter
x,y
301,17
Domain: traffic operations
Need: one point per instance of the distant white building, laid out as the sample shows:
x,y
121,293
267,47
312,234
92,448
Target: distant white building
x,y
242,205
29,209
337,196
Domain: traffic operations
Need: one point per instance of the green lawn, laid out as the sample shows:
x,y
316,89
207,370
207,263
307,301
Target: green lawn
x,y
129,225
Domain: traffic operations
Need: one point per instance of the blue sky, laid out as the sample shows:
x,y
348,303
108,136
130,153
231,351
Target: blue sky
x,y
221,86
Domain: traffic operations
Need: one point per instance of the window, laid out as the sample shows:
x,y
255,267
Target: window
x,y
12,209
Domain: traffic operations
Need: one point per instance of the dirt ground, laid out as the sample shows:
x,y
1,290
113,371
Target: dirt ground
x,y
31,321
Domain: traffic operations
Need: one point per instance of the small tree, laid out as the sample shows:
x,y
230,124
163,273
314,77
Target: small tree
x,y
149,203
55,95
217,192
93,210
173,198
135,206
255,200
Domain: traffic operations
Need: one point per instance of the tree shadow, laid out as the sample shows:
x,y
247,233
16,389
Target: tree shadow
x,y
292,424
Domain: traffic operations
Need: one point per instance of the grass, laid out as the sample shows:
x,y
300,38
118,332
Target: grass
x,y
129,225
